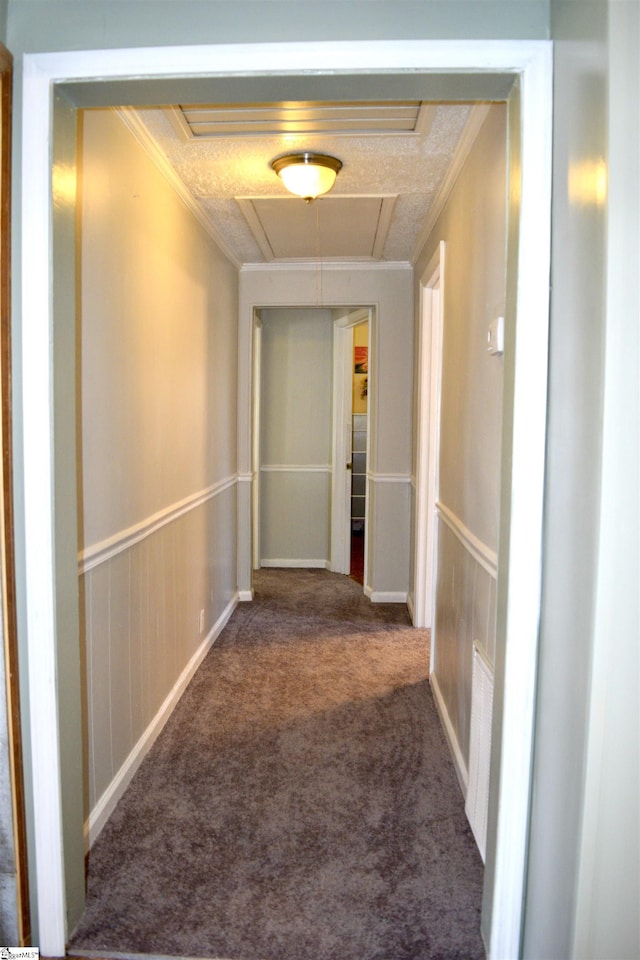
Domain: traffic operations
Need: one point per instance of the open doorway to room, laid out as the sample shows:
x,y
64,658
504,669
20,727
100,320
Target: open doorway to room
x,y
528,390
352,436
311,438
359,446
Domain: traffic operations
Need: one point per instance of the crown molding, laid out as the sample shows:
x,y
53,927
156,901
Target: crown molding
x,y
333,266
131,119
468,136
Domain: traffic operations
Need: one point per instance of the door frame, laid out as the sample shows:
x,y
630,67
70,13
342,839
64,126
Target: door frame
x,y
527,63
256,449
429,372
8,622
341,446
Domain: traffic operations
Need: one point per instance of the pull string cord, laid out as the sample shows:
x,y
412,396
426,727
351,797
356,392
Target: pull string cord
x,y
318,259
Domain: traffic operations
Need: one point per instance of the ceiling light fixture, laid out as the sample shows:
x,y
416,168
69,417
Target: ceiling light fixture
x,y
307,175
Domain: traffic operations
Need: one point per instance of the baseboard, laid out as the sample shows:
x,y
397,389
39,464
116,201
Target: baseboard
x,y
244,596
387,596
109,799
300,564
458,760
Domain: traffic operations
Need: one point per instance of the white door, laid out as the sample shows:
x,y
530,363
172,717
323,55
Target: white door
x,y
342,437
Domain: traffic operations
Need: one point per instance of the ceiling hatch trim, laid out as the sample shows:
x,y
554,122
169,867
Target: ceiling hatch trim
x,y
348,118
365,221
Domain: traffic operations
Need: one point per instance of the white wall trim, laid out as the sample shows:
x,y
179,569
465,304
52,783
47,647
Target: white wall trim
x,y
341,430
105,550
458,760
347,266
109,799
295,468
132,121
254,387
305,564
384,222
528,60
389,477
484,555
427,432
520,580
386,596
39,531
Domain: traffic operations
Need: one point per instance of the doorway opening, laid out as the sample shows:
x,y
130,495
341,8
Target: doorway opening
x,y
311,438
523,459
359,445
352,433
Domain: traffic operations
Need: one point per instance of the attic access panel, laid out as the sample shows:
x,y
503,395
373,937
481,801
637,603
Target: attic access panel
x,y
330,118
330,228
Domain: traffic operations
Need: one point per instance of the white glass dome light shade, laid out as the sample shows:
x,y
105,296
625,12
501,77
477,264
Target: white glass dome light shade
x,y
307,175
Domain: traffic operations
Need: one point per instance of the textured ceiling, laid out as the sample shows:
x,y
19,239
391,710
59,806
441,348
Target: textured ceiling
x,y
376,210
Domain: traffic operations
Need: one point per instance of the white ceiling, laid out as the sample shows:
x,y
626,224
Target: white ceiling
x,y
399,160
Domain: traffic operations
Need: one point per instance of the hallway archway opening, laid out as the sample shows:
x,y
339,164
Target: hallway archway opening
x,y
45,520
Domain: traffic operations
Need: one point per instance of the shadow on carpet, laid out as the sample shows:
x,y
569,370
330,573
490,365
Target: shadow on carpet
x,y
300,804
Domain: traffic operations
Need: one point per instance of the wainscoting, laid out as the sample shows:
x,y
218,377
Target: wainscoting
x,y
153,600
464,616
477,800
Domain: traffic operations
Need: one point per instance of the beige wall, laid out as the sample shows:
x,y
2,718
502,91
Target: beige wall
x,y
472,226
295,437
388,289
157,406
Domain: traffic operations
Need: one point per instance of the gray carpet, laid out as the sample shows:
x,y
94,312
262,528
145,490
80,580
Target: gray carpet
x,y
300,804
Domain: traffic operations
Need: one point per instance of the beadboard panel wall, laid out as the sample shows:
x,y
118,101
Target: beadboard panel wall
x,y
142,609
157,428
465,610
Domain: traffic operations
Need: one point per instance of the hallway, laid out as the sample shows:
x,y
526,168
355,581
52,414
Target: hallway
x,y
300,804
561,876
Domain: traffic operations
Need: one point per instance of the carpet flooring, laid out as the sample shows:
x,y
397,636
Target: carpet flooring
x,y
300,804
